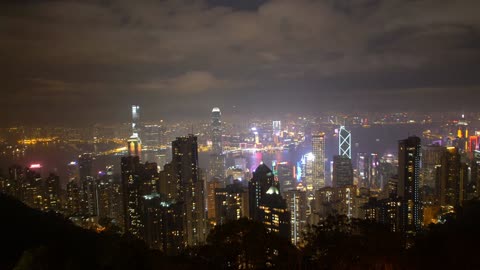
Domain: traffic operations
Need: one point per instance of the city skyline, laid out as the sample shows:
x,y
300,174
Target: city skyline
x,y
240,134
177,59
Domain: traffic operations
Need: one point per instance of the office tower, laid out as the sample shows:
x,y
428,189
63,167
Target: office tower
x,y
307,165
217,159
408,185
136,120
285,176
342,171
85,166
88,187
362,160
216,126
450,184
432,157
131,184
318,150
16,177
372,172
150,178
273,213
344,142
134,146
52,193
217,166
461,141
262,180
168,184
163,221
276,131
73,198
73,171
89,196
297,205
276,128
231,203
152,136
109,197
334,201
185,163
211,187
32,187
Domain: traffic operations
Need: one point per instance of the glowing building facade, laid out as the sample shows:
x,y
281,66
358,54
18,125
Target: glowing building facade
x,y
318,151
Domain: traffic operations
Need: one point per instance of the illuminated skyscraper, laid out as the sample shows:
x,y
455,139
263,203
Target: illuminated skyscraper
x,y
450,184
131,184
163,221
344,142
408,184
52,193
135,119
231,203
73,198
211,187
262,180
88,187
134,144
297,206
217,159
273,213
216,125
318,150
342,171
85,166
191,191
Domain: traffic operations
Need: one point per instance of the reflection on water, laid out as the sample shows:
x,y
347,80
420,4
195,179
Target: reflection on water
x,y
54,157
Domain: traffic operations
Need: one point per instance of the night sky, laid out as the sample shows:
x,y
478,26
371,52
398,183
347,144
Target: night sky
x,y
81,62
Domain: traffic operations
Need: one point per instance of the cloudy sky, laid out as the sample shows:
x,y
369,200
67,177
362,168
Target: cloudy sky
x,y
87,61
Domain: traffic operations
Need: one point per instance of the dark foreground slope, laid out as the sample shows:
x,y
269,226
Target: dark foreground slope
x,y
31,239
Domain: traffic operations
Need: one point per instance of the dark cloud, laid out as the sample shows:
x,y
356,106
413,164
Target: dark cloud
x,y
181,57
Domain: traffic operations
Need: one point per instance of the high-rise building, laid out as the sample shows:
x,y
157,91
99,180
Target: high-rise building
x,y
344,142
231,203
342,171
108,196
134,144
318,150
136,120
273,213
450,184
88,191
217,159
212,185
72,203
52,193
297,205
163,221
285,176
85,166
131,184
216,125
262,180
185,166
432,156
168,182
409,155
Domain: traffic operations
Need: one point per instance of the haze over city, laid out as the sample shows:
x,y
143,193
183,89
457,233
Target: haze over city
x,y
239,134
77,62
